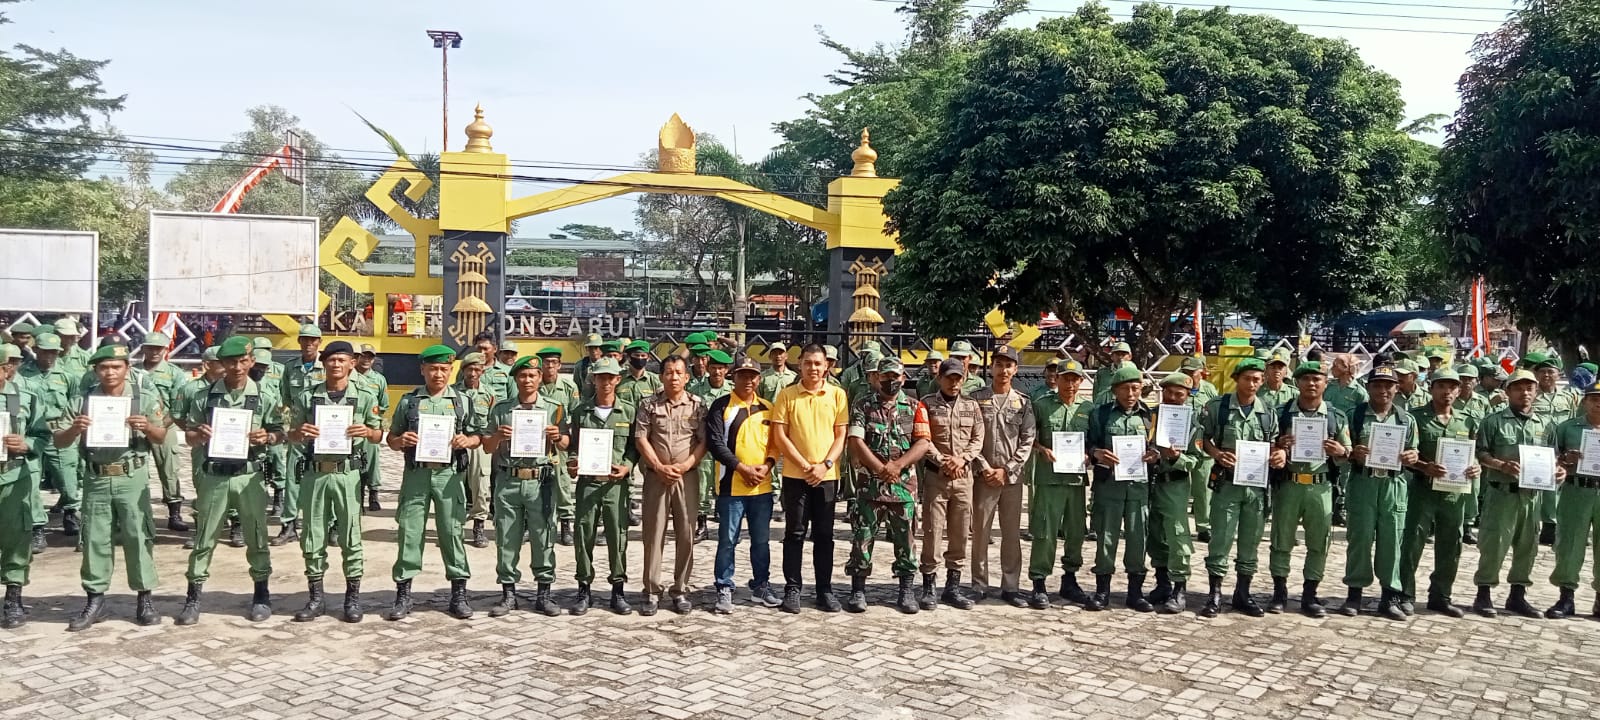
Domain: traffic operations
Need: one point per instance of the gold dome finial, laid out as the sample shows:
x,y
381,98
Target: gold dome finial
x,y
865,158
675,147
478,133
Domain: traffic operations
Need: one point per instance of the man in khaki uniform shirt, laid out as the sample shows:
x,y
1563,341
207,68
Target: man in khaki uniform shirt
x,y
956,423
670,433
1009,433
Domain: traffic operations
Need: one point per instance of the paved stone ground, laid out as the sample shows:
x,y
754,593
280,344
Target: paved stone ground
x,y
994,661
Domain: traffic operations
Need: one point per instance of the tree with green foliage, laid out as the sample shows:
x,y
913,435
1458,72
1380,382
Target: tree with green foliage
x,y
1087,165
1519,180
49,102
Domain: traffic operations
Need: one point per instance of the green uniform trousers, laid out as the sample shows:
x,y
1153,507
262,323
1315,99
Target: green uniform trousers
x,y
866,516
445,490
525,508
1200,493
1056,511
291,484
1294,505
1469,513
708,488
34,477
480,504
1121,511
336,494
1510,522
1169,542
113,506
1237,515
601,501
165,456
1432,515
565,498
1549,508
1577,524
214,495
17,499
1375,527
62,467
371,475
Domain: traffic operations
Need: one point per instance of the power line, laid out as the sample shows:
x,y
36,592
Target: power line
x,y
1321,26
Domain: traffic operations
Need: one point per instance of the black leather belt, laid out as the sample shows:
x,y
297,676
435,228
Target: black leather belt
x,y
1588,482
231,467
117,469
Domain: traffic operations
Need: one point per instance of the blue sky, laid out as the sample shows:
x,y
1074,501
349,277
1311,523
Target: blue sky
x,y
588,82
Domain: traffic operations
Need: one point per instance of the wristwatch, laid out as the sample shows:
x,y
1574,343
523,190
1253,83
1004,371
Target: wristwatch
x,y
827,464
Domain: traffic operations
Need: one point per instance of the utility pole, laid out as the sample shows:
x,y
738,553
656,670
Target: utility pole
x,y
444,40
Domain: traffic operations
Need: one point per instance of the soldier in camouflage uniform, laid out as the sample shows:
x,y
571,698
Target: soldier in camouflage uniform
x,y
888,434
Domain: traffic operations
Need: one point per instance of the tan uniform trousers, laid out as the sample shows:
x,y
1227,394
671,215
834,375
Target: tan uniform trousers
x,y
1005,501
679,502
478,465
946,521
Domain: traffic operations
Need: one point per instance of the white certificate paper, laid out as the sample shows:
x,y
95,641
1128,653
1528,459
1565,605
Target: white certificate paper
x,y
230,434
108,421
594,451
1589,464
1309,434
1172,426
1252,460
1456,457
1383,450
1068,447
434,433
1129,450
1538,465
333,421
5,429
527,433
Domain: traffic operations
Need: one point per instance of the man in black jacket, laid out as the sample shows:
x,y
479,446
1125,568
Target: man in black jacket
x,y
736,437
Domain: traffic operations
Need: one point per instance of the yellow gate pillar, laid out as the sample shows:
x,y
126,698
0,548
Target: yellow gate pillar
x,y
860,251
474,186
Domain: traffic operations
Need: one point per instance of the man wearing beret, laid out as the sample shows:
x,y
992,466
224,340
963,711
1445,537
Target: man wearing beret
x,y
227,482
297,379
1059,507
1008,439
1170,543
470,381
602,499
525,489
116,490
1510,513
714,385
564,392
165,379
20,439
441,485
374,381
1121,507
1304,497
53,386
1436,516
1237,511
1376,499
956,427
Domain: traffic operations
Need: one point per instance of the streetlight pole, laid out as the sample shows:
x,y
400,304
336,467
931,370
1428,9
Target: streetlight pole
x,y
444,40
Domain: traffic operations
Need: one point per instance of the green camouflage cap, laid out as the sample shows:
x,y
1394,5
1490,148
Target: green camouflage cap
x,y
236,346
47,341
1309,368
472,358
310,330
69,327
872,345
960,349
437,354
593,340
1194,362
1178,379
934,356
109,351
1247,365
870,359
891,365
9,352
832,352
605,366
718,357
1445,373
1122,347
1405,367
1126,373
1071,367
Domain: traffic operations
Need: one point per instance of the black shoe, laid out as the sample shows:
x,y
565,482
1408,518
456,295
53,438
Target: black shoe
x,y
1445,608
542,603
858,595
1310,605
1026,535
1101,595
1013,598
905,599
315,607
1338,517
619,602
94,610
1389,605
791,599
1213,604
701,531
1163,588
352,600
1547,534
479,539
372,501
649,607
582,605
459,609
1039,599
1175,602
1071,591
69,523
1203,536
290,532
1406,605
402,601
11,616
564,535
633,517
1243,601
175,521
260,602
1091,536
39,544
599,538
826,602
276,506
1468,537
190,614
681,604
144,613
235,534
952,594
508,601
1483,604
927,600
1352,603
1518,603
1136,600
1280,595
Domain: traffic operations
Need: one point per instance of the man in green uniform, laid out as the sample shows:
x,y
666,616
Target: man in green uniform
x,y
193,392
888,434
525,488
1377,496
73,356
1510,513
564,392
22,339
774,379
497,372
1305,494
1556,406
116,488
1237,511
1409,395
929,381
832,353
1059,505
297,379
638,383
1475,406
232,482
1122,505
165,378
1434,514
53,386
1169,541
1276,390
1580,506
331,481
1101,393
438,480
602,498
470,381
592,352
714,385
1200,473
1008,439
23,433
378,385
1345,393
268,373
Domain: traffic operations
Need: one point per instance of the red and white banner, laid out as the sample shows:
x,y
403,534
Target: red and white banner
x,y
166,322
1478,317
1199,328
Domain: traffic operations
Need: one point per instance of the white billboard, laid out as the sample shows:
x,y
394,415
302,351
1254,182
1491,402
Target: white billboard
x,y
215,263
50,271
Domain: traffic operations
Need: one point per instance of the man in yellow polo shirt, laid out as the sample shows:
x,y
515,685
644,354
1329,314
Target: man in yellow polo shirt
x,y
809,420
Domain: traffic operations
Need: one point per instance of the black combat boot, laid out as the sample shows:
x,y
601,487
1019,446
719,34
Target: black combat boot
x,y
564,535
1071,591
1243,601
582,605
858,595
39,543
1213,604
619,603
701,529
276,506
508,601
1102,593
1444,607
1040,598
372,500
1468,537
290,532
952,595
1280,595
235,534
1352,603
1483,604
928,600
69,523
1547,534
1163,588
542,603
459,609
1136,600
175,521
352,600
94,610
905,599
1176,601
1389,605
479,539
11,615
190,614
261,602
1310,604
315,606
144,610
1518,603
402,601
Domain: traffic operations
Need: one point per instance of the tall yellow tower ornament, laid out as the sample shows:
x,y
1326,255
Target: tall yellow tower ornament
x,y
478,133
675,150
865,158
